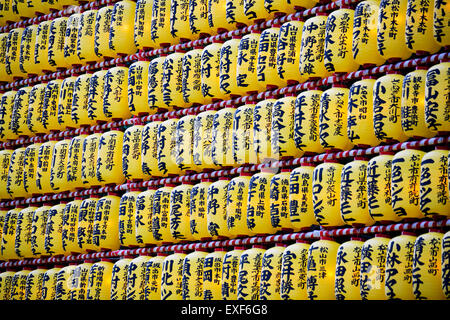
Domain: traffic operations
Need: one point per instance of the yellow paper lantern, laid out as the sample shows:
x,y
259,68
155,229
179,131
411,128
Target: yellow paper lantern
x,y
419,33
436,118
127,218
137,287
256,11
99,281
89,160
85,224
172,80
55,55
216,216
105,229
445,264
262,129
6,108
413,104
333,119
18,284
115,94
179,20
179,212
266,68
283,124
203,136
5,284
22,243
185,143
306,121
440,21
138,88
49,116
144,214
235,13
354,204
172,276
86,36
18,123
249,274
236,205
247,64
279,201
49,283
198,207
373,267
217,17
27,49
212,274
198,18
391,38
360,127
69,233
7,248
301,208
399,261
326,193
38,228
312,65
192,279
153,276
149,149
166,148
230,273
294,271
33,286
5,157
433,191
71,39
74,162
143,24
387,98
95,110
269,287
242,139
155,89
160,27
379,200
258,203
12,60
15,184
66,96
119,278
161,215
405,183
3,50
109,158
121,30
53,231
101,38
191,77
288,51
348,264
321,269
210,72
79,281
365,27
228,68
58,171
35,105
131,157
427,266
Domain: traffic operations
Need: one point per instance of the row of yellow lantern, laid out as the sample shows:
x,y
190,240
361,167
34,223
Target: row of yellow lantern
x,y
411,184
405,267
371,111
294,51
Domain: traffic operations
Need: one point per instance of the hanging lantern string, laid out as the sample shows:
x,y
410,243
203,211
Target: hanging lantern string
x,y
231,172
245,241
351,76
150,53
